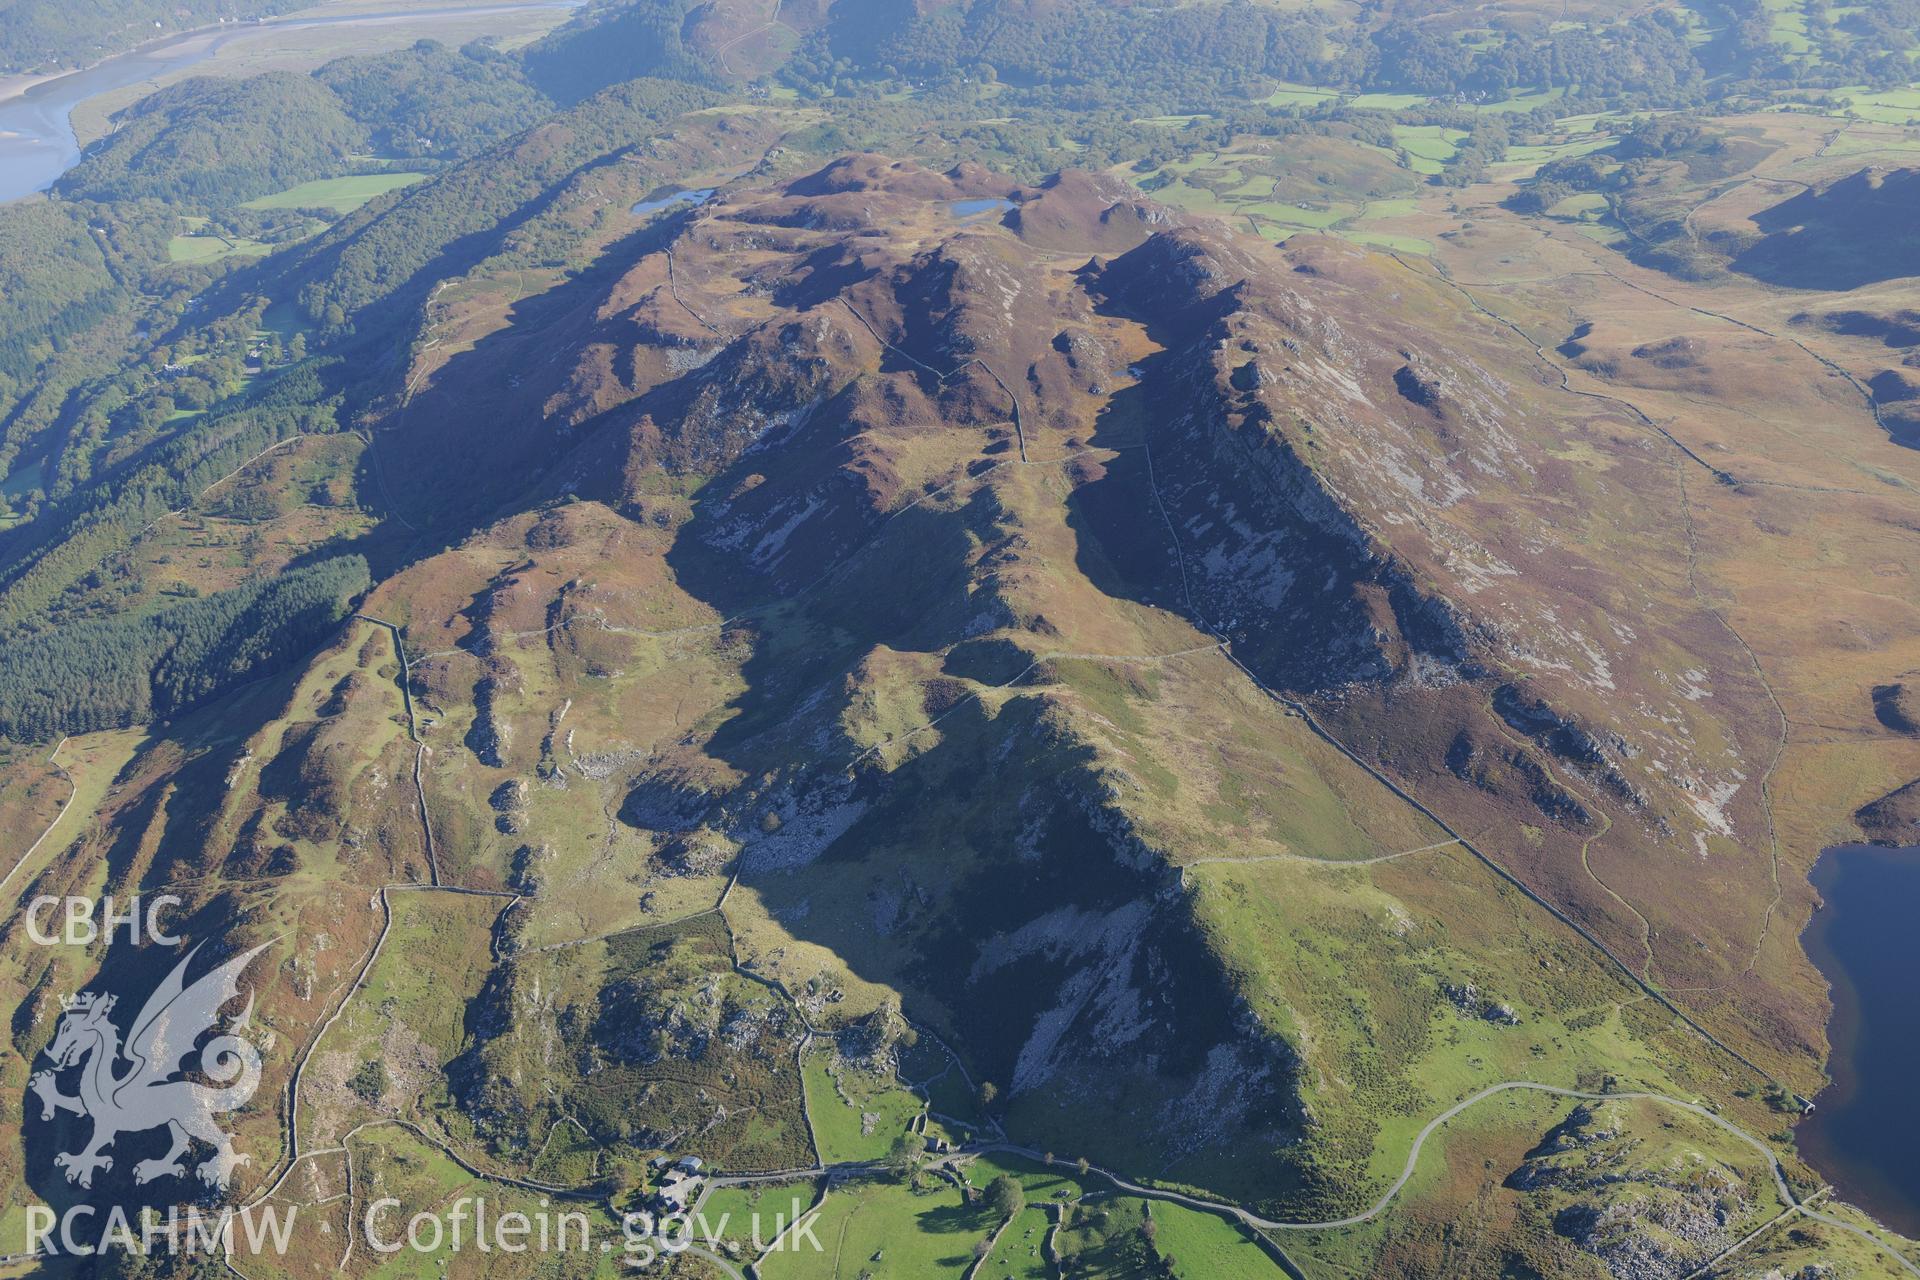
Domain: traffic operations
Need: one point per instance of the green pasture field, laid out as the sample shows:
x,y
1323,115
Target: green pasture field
x,y
342,195
840,1097
890,1229
213,248
1889,106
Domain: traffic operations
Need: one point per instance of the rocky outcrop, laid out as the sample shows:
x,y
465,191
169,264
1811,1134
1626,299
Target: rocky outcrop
x,y
1645,1211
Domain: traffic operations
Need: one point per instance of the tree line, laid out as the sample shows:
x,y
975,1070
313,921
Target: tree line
x,y
111,673
215,141
41,560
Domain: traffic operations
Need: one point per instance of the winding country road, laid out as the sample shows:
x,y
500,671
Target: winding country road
x,y
1254,1220
1795,1205
1387,1197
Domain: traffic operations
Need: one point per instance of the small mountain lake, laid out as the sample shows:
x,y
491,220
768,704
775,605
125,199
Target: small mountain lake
x,y
1865,1130
668,199
975,208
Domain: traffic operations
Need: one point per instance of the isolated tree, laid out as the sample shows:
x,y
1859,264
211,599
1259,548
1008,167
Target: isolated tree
x,y
907,1151
989,1094
1006,1195
619,1185
370,1081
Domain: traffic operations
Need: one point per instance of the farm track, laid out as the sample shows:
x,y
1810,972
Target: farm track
x,y
421,749
73,793
192,502
1693,555
1305,860
1500,870
1313,722
720,51
1586,845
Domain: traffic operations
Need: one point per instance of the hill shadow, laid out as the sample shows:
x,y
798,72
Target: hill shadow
x,y
1861,230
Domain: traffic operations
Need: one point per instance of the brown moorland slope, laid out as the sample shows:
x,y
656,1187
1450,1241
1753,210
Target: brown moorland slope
x,y
1244,699
1485,578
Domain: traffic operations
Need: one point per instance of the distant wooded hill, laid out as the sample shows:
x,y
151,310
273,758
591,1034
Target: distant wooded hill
x,y
49,34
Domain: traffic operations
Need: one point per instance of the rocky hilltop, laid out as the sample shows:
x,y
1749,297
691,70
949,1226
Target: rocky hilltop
x,y
901,539
1228,698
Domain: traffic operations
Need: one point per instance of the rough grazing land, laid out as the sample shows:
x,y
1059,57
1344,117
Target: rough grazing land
x,y
1234,700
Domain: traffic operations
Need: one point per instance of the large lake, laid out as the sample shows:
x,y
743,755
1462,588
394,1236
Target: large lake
x,y
1864,1134
37,142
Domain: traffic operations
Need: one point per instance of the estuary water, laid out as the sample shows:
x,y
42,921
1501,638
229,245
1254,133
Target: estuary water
x,y
1864,1134
37,142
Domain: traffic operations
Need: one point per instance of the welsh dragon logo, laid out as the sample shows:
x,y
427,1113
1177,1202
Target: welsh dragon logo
x,y
146,1095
